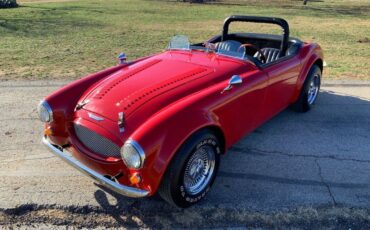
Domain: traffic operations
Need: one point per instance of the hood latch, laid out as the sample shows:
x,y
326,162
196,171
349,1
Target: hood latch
x,y
121,122
81,105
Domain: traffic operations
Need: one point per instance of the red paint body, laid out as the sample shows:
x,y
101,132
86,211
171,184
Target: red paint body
x,y
169,96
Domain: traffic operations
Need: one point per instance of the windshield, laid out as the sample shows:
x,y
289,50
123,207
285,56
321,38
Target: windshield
x,y
228,48
179,42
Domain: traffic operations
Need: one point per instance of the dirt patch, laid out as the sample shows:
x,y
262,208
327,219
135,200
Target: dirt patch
x,y
168,217
364,40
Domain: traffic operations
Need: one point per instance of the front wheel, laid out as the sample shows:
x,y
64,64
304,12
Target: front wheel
x,y
310,90
192,170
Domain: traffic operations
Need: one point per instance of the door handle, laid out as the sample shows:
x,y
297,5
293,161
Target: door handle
x,y
234,80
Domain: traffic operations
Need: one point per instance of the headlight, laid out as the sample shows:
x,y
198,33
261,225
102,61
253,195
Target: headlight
x,y
45,112
132,154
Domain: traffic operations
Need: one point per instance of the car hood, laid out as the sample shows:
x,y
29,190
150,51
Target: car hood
x,y
152,84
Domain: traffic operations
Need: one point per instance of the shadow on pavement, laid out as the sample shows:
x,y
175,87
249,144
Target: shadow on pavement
x,y
307,171
291,172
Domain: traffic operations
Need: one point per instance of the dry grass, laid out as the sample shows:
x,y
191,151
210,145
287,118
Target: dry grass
x,y
169,218
68,39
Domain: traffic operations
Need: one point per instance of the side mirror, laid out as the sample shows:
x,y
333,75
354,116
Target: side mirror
x,y
122,58
234,80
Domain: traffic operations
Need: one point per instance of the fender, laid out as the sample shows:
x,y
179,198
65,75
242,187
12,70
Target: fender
x,y
64,100
314,54
162,135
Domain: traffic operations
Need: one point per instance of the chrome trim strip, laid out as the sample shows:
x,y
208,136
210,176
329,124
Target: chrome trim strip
x,y
119,188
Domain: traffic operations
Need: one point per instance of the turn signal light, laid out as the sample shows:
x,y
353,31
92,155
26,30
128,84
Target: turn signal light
x,y
48,131
135,178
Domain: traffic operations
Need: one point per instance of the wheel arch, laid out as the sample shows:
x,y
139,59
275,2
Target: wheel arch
x,y
320,63
212,128
162,139
177,163
219,134
311,55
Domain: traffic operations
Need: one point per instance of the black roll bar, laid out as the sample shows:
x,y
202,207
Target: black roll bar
x,y
270,20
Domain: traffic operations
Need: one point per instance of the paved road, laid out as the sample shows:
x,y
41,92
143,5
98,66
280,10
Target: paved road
x,y
314,161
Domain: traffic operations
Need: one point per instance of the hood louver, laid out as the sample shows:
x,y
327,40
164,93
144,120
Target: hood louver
x,y
123,78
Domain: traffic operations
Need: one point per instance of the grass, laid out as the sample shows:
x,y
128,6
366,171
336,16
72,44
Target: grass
x,y
68,39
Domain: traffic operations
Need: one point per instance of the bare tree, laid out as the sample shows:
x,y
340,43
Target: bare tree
x,y
8,3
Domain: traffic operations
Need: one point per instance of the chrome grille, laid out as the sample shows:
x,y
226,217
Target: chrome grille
x,y
96,143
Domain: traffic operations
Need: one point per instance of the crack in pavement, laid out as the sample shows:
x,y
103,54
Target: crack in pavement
x,y
266,152
290,181
33,85
25,159
326,184
17,148
33,113
19,119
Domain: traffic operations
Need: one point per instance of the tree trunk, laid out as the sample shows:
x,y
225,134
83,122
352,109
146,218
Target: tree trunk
x,y
8,3
305,2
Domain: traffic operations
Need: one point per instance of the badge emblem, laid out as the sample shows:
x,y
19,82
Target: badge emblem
x,y
96,118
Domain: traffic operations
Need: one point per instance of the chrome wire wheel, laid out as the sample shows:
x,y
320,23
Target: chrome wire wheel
x,y
199,169
313,89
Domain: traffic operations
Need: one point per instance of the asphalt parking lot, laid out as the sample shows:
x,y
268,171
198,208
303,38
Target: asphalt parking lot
x,y
300,170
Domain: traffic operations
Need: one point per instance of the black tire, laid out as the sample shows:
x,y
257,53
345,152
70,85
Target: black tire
x,y
303,103
172,188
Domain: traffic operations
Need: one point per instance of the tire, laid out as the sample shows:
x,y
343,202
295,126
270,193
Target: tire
x,y
176,186
309,91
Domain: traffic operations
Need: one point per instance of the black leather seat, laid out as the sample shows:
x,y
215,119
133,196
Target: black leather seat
x,y
228,46
271,54
293,48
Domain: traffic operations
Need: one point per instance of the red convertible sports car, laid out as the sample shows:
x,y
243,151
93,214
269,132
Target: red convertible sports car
x,y
161,123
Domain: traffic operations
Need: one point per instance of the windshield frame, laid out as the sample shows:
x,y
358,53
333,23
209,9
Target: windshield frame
x,y
205,47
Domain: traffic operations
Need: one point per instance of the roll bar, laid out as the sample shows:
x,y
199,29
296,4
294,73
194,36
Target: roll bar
x,y
270,20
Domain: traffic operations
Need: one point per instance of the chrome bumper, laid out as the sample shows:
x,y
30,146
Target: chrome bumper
x,y
121,189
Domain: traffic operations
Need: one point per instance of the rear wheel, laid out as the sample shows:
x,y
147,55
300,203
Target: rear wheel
x,y
310,90
192,170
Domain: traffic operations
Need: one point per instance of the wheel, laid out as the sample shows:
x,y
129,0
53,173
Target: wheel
x,y
192,171
310,90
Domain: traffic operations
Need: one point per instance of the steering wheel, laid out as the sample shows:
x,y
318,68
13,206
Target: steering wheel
x,y
262,56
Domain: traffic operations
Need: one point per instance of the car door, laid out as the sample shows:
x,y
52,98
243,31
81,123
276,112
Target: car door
x,y
282,79
242,105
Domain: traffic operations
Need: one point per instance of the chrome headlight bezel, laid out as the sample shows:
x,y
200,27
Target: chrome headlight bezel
x,y
132,149
45,112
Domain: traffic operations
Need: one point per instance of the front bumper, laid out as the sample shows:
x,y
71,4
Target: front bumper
x,y
119,188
